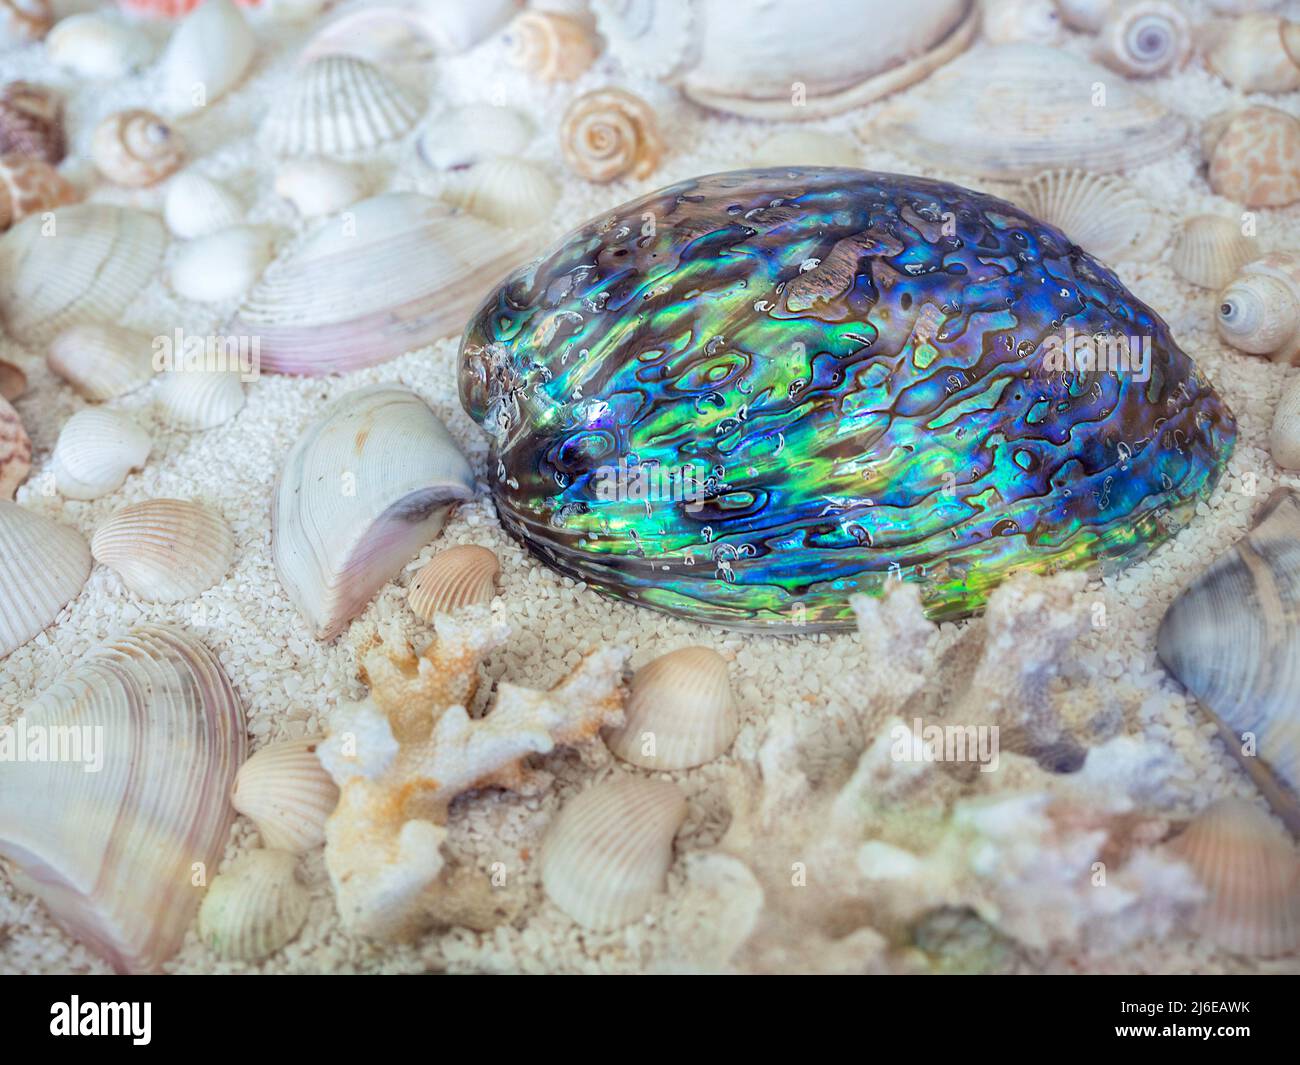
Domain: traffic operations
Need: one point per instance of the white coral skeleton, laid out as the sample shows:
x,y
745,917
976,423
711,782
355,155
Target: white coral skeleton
x,y
401,755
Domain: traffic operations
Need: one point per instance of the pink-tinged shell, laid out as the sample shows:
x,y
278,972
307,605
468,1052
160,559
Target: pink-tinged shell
x,y
286,792
30,186
42,566
15,451
453,579
165,550
551,47
1255,157
31,122
120,856
170,8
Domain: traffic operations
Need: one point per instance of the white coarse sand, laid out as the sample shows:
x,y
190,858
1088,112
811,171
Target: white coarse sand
x,y
289,682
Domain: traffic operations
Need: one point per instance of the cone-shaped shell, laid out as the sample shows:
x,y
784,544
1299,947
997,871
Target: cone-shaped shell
x,y
42,566
15,451
286,792
1209,250
101,361
95,451
606,855
165,550
119,855
680,712
458,577
255,907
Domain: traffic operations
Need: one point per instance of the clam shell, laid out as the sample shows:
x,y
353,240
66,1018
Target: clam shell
x,y
30,186
339,106
31,122
286,792
409,274
680,712
207,56
1014,110
196,206
1209,250
1231,639
607,853
1145,38
255,907
1254,156
1250,53
95,451
1008,21
102,257
42,566
22,21
511,193
136,148
609,134
165,550
1259,310
15,451
463,136
200,399
1284,438
1086,15
458,577
318,186
1103,214
806,147
363,489
115,854
97,46
1251,874
222,265
101,361
551,47
391,32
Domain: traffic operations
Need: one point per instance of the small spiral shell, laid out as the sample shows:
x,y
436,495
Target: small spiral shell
x,y
551,47
29,186
136,148
610,133
1145,39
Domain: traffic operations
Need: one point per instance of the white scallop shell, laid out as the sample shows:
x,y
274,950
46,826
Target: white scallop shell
x,y
42,566
97,46
222,265
1209,250
1038,21
1284,438
254,908
806,147
286,792
606,855
196,206
318,186
1251,53
1145,38
1103,214
680,712
101,361
95,451
165,550
508,192
455,578
101,260
207,55
339,106
463,136
194,400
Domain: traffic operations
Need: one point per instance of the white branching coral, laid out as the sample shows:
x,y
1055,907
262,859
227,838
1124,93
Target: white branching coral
x,y
402,755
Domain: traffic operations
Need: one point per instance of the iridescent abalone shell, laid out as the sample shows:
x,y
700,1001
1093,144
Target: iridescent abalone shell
x,y
853,366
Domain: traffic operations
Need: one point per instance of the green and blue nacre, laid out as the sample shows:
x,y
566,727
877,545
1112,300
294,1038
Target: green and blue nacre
x,y
743,398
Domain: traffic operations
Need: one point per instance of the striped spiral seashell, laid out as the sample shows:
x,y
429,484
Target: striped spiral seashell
x,y
609,134
1145,38
458,577
255,907
284,790
165,550
136,148
551,47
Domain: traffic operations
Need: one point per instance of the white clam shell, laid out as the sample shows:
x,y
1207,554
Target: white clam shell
x,y
399,32
453,579
101,361
255,907
364,488
95,451
222,265
508,192
1254,53
165,550
15,451
196,206
1145,38
680,712
113,854
208,54
1284,438
463,136
319,186
97,46
102,257
606,855
194,400
339,106
42,566
1103,214
806,147
1259,310
1005,21
1209,250
287,794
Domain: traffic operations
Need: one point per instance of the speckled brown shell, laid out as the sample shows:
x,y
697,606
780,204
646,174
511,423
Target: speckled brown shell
x,y
31,122
29,186
1255,157
136,148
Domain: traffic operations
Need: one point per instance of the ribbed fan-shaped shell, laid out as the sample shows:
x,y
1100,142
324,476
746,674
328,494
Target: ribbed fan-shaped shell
x,y
199,400
42,566
95,451
117,855
508,192
165,550
468,135
254,908
1103,214
1209,250
458,577
101,361
196,206
286,792
606,855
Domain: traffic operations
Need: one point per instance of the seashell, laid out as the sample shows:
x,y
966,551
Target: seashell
x,y
42,566
15,451
680,712
776,62
339,106
165,550
1232,641
286,792
1242,7
101,259
203,399
590,415
95,451
196,206
607,853
511,193
461,576
97,46
1209,250
551,47
31,122
1284,439
23,21
1086,15
101,361
158,9
395,32
254,908
1254,156
1145,38
30,186
207,56
136,148
1251,874
363,489
1014,110
609,134
1103,214
1259,311
13,382
464,136
318,186
406,273
806,147
113,854
222,265
1006,21
1252,53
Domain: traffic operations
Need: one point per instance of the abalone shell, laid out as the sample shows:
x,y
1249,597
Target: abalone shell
x,y
851,377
